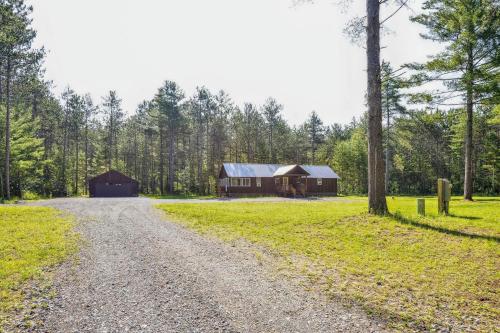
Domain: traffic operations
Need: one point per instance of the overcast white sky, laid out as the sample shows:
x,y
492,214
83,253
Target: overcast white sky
x,y
250,48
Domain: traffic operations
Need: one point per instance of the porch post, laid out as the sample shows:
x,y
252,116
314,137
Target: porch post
x,y
305,191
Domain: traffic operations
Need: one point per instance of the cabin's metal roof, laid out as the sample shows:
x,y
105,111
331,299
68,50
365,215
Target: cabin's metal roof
x,y
250,170
284,170
320,171
268,170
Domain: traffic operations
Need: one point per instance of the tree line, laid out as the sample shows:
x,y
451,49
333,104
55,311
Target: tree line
x,y
174,143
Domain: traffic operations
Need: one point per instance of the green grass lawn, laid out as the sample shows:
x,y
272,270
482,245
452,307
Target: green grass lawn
x,y
31,239
419,273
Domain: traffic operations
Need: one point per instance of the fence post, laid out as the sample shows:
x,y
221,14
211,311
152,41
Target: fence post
x,y
444,196
421,206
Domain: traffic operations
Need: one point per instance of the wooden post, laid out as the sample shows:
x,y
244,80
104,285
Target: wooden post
x,y
440,195
305,190
421,206
444,196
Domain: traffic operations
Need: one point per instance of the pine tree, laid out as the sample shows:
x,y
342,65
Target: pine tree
x,y
391,106
271,110
113,117
468,66
168,99
315,131
89,112
16,37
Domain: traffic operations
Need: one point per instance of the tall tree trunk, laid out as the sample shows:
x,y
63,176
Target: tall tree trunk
x,y
199,157
75,190
249,149
313,151
171,162
387,144
271,151
65,151
1,86
19,184
7,129
178,143
110,144
46,153
86,154
152,167
376,187
1,188
136,152
208,157
34,108
468,134
116,147
162,162
145,158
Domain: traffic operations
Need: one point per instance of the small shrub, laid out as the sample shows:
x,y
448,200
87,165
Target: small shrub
x,y
28,195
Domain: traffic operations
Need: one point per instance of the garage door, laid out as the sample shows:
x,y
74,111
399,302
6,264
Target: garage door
x,y
114,190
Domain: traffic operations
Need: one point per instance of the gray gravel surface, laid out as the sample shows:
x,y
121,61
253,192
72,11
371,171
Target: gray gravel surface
x,y
138,272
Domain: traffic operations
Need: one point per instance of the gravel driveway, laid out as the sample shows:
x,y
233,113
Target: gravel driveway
x,y
138,272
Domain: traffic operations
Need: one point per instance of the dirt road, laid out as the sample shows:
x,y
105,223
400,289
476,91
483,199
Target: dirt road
x,y
137,272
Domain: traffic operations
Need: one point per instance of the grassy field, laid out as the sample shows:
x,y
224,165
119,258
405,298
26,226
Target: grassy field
x,y
31,239
420,273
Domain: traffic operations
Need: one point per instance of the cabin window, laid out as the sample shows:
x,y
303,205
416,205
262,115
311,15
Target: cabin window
x,y
319,181
276,181
258,182
240,182
285,180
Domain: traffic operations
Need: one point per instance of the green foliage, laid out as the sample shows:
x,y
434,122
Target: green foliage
x,y
315,133
469,32
31,239
28,195
26,152
421,273
113,120
350,162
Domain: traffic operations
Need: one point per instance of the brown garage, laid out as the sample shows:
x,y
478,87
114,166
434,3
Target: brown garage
x,y
113,184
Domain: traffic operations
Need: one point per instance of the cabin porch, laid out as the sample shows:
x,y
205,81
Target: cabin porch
x,y
291,180
291,185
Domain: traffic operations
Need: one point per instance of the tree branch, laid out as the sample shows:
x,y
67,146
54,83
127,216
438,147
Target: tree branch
x,y
394,13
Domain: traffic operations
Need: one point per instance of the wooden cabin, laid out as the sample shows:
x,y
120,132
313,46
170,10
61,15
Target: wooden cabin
x,y
113,184
239,179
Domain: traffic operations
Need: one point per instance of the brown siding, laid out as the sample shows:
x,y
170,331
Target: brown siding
x,y
267,188
329,186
